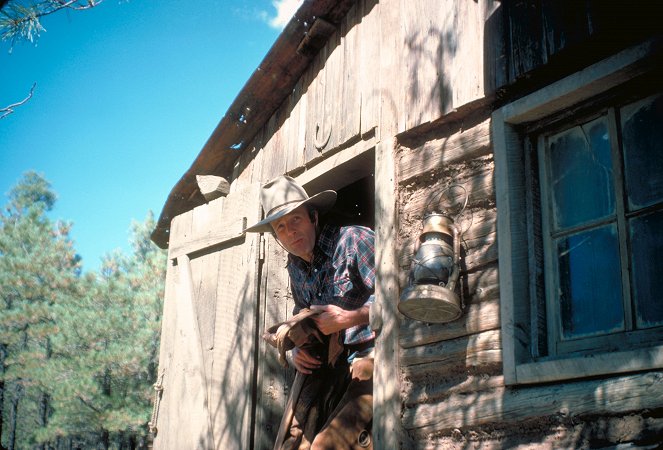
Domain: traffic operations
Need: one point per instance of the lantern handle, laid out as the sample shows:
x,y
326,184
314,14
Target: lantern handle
x,y
439,199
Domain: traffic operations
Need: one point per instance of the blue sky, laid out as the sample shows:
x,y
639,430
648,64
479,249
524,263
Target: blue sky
x,y
127,94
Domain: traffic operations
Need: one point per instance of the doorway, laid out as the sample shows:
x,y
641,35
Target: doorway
x,y
354,183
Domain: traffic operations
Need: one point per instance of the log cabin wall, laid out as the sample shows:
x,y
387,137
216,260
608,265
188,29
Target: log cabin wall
x,y
391,67
416,81
453,388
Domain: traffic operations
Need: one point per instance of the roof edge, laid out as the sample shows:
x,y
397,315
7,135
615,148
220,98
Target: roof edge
x,y
266,89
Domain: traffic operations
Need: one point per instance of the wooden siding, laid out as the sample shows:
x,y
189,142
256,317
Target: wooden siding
x,y
412,82
209,322
390,66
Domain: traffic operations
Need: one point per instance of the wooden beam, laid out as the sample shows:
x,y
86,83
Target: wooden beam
x,y
212,186
514,405
218,237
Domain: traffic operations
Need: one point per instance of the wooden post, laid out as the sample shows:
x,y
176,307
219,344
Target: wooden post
x,y
384,313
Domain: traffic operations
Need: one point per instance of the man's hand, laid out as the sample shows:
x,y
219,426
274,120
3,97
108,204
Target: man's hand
x,y
334,318
303,361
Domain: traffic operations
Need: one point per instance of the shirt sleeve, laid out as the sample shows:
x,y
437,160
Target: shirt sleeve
x,y
364,256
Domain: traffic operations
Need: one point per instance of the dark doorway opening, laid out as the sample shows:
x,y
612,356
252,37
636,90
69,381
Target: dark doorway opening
x,y
355,204
354,182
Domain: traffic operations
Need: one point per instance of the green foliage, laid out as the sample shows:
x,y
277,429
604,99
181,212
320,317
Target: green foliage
x,y
21,19
81,349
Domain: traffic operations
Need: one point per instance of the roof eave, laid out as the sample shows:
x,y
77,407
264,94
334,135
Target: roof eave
x,y
267,88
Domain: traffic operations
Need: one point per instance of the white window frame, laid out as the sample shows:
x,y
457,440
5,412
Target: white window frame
x,y
512,222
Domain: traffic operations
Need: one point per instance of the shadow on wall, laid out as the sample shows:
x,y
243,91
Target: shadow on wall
x,y
428,51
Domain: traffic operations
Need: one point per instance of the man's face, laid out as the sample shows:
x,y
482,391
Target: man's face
x,y
296,232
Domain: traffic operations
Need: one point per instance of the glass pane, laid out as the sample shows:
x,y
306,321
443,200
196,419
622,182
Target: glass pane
x,y
590,285
647,262
581,174
642,129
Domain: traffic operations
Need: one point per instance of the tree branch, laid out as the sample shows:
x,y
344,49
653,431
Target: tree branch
x,y
7,110
20,21
86,403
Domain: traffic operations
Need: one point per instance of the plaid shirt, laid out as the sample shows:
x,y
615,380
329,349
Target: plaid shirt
x,y
342,273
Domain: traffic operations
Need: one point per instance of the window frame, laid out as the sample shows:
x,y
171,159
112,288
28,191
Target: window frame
x,y
521,280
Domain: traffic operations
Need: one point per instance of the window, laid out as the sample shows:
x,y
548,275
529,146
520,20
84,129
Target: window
x,y
579,176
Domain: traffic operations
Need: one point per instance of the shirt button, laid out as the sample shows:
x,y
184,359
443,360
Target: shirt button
x,y
315,270
319,294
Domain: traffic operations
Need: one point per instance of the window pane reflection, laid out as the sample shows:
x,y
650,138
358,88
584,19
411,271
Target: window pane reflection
x,y
647,263
581,174
590,283
642,129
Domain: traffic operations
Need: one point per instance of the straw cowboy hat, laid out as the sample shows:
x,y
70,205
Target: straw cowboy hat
x,y
283,195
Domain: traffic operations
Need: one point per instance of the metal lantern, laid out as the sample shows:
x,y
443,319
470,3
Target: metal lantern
x,y
430,295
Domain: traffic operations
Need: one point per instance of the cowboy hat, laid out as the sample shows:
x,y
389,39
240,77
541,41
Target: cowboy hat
x,y
283,195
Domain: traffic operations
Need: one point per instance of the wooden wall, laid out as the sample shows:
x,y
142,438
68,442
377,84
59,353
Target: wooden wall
x,y
390,67
452,384
420,77
208,343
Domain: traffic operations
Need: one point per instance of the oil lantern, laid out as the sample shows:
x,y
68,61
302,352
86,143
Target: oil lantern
x,y
430,295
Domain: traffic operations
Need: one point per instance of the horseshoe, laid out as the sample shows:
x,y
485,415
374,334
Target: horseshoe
x,y
321,143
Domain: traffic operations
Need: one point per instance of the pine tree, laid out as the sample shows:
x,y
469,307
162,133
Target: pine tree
x,y
38,267
78,352
106,369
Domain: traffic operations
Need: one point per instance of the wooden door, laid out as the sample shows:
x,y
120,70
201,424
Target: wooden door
x,y
208,353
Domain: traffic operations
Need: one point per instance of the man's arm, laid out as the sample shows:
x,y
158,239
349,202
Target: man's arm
x,y
334,318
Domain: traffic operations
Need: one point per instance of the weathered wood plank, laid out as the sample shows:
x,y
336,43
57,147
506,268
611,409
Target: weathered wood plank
x,y
476,318
368,66
293,151
349,118
466,351
476,176
513,260
438,153
274,162
494,49
390,67
625,432
184,421
315,98
180,229
332,118
465,57
212,186
511,405
427,86
563,26
456,384
167,365
384,315
235,230
525,30
274,381
236,320
205,273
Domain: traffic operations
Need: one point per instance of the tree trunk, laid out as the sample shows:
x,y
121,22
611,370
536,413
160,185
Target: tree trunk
x,y
44,403
3,355
105,439
45,400
13,415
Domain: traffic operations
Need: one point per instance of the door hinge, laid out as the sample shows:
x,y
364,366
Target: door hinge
x,y
261,250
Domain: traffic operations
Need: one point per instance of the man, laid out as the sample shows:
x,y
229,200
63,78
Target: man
x,y
332,272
